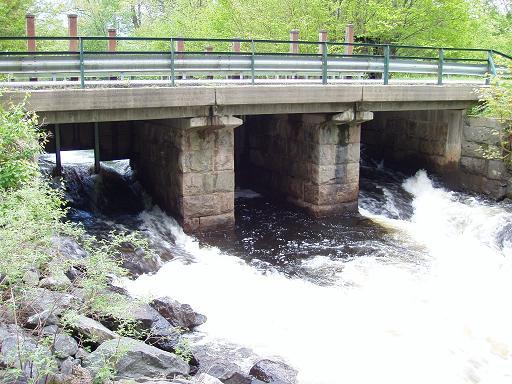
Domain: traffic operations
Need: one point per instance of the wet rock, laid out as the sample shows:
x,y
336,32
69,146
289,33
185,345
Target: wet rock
x,y
204,378
139,360
270,371
64,346
40,299
137,262
92,329
179,315
217,360
42,319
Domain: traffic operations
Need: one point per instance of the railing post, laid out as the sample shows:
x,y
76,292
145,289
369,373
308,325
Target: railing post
x,y
73,32
252,62
235,48
349,38
82,69
386,65
31,32
112,43
180,50
322,38
324,63
208,49
173,75
440,65
491,68
294,37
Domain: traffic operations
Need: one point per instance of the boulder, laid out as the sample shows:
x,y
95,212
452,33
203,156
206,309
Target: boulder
x,y
64,346
136,360
218,360
56,282
270,371
31,277
204,378
179,315
51,330
92,329
42,319
41,299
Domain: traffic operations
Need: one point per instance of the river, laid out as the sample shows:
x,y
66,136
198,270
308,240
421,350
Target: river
x,y
415,290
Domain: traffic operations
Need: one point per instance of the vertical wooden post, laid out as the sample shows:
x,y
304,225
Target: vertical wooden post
x,y
294,36
180,49
58,161
236,48
31,32
349,38
73,32
112,43
322,38
96,148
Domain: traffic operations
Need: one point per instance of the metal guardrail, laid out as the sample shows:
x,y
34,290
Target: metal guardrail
x,y
366,60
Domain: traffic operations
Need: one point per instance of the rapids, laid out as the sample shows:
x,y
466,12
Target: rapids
x,y
413,291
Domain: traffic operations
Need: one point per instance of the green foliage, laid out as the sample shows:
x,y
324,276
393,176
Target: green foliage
x,y
20,144
496,102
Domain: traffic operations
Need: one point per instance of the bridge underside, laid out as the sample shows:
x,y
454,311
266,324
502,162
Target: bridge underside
x,y
189,164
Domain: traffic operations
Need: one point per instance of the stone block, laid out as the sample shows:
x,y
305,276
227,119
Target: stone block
x,y
328,133
432,147
198,140
196,161
224,137
474,165
204,183
347,154
295,187
495,188
223,221
471,149
223,159
482,135
206,205
354,133
497,170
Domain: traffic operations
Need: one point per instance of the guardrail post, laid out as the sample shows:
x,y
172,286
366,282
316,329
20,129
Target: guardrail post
x,y
440,65
252,62
209,49
31,31
173,74
72,32
491,68
180,49
81,57
386,65
294,36
349,38
324,63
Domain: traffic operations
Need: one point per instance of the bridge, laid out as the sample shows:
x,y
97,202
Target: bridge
x,y
197,123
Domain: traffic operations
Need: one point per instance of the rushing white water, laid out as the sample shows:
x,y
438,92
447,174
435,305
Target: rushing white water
x,y
444,319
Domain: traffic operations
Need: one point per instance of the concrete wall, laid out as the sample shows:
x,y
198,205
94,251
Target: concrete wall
x,y
479,174
187,166
415,139
310,159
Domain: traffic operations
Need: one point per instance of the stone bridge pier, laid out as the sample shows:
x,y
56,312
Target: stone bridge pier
x,y
187,166
310,159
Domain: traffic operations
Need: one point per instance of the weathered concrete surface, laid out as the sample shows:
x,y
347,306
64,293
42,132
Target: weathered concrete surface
x,y
413,139
187,165
311,159
118,104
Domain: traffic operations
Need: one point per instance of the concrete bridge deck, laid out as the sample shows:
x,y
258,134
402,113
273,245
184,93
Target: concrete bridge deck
x,y
150,103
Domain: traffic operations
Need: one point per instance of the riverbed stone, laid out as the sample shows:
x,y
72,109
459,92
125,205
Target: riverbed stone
x,y
42,319
270,371
138,360
179,315
38,300
64,346
92,330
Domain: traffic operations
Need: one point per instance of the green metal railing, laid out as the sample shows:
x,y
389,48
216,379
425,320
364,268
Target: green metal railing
x,y
258,59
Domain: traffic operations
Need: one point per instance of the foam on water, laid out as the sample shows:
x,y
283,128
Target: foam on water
x,y
446,319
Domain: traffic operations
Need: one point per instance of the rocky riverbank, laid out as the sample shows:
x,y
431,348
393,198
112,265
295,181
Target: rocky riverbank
x,y
41,343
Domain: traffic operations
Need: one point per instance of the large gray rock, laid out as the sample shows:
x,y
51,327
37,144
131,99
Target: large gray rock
x,y
270,371
136,360
42,319
179,315
64,346
40,299
92,329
